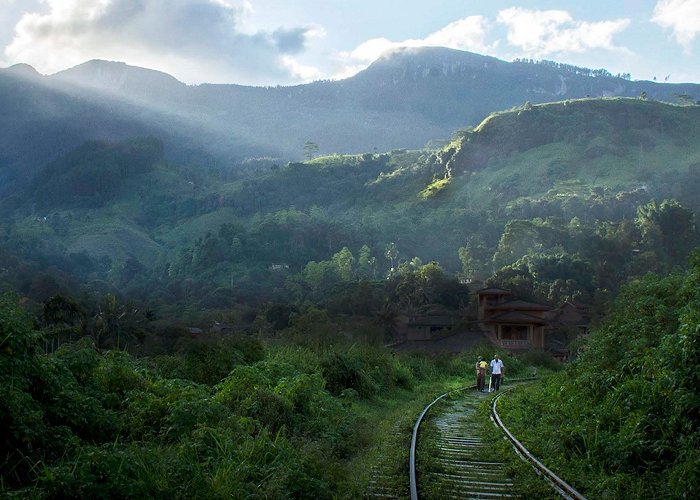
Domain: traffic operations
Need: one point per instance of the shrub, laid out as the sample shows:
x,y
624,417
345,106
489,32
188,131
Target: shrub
x,y
347,370
540,359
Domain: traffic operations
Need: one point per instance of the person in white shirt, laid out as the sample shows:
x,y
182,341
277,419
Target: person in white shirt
x,y
497,371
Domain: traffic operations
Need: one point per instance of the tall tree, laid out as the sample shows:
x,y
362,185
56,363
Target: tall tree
x,y
310,150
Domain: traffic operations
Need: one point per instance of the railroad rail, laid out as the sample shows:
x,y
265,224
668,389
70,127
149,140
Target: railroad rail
x,y
562,487
466,470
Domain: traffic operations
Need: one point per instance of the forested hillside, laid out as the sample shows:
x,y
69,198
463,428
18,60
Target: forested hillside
x,y
607,186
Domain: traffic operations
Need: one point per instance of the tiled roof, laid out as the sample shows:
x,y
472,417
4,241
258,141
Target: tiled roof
x,y
516,317
519,305
431,320
494,291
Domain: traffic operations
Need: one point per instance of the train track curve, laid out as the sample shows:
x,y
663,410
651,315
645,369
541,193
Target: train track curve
x,y
462,464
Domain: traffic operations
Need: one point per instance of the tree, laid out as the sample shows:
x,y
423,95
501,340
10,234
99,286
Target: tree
x,y
552,278
391,252
421,285
519,238
668,227
116,324
344,263
62,319
21,368
320,276
366,264
473,255
310,150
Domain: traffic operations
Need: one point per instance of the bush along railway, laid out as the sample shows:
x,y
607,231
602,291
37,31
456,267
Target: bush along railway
x,y
454,455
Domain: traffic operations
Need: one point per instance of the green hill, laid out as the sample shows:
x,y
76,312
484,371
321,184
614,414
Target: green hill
x,y
257,305
590,164
606,143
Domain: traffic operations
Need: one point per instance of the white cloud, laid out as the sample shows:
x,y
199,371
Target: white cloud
x,y
465,34
541,33
300,71
191,39
370,50
468,33
534,33
682,17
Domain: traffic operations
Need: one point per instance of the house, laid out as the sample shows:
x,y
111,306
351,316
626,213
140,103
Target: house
x,y
518,324
218,327
489,297
570,320
278,267
428,324
511,324
571,315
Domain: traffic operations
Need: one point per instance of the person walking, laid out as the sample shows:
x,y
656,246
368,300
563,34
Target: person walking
x,y
480,373
497,372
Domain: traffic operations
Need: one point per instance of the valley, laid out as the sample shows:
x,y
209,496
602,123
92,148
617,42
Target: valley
x,y
189,309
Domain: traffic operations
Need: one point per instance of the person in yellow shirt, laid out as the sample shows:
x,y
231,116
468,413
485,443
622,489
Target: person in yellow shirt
x,y
480,373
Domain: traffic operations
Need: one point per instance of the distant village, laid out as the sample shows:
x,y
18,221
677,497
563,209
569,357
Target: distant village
x,y
501,318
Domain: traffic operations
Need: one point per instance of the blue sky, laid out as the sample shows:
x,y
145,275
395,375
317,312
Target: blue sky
x,y
280,42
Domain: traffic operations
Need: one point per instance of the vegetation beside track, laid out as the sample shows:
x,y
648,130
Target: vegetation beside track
x,y
624,419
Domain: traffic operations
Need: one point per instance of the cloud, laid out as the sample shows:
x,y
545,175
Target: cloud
x,y
300,71
191,39
468,33
545,32
290,41
534,33
682,17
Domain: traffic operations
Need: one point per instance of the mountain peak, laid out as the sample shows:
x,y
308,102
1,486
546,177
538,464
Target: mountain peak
x,y
432,54
418,62
114,76
24,70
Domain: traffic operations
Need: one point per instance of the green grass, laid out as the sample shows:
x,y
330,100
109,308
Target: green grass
x,y
525,480
387,429
436,187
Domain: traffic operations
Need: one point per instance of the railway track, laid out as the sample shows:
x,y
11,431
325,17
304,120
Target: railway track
x,y
456,460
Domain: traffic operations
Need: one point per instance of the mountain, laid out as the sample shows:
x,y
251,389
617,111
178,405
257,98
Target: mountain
x,y
588,158
45,117
557,200
120,78
403,100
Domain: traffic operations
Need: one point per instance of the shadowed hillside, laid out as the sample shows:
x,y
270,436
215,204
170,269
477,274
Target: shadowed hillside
x,y
405,99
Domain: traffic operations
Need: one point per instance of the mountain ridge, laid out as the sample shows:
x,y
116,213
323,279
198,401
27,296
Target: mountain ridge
x,y
405,99
115,75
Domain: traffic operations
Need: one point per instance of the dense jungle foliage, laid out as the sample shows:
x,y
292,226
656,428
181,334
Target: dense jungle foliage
x,y
221,417
638,433
560,201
